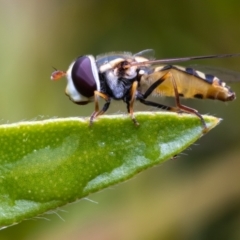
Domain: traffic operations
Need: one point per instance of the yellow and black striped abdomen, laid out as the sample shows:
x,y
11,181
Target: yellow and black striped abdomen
x,y
190,84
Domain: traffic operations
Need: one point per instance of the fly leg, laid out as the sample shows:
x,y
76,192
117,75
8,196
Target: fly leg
x,y
185,108
130,103
142,97
105,106
157,105
179,108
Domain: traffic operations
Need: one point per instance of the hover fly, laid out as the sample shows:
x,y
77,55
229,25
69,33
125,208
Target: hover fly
x,y
129,77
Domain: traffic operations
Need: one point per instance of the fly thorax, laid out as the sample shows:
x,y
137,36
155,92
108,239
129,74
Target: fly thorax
x,y
117,86
130,73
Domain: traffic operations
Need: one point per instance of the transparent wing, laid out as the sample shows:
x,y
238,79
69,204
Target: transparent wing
x,y
224,74
116,54
148,53
108,57
183,59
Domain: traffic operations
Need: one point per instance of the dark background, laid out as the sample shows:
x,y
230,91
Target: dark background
x,y
196,196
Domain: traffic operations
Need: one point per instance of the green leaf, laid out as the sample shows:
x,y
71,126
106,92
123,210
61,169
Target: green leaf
x,y
46,164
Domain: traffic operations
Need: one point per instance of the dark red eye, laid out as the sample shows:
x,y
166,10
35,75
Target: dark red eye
x,y
85,76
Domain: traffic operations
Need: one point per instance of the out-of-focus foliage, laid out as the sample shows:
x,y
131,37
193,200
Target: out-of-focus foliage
x,y
194,197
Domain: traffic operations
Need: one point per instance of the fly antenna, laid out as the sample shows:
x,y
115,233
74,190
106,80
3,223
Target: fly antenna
x,y
57,74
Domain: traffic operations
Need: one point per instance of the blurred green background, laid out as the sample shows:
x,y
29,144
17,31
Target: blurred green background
x,y
196,196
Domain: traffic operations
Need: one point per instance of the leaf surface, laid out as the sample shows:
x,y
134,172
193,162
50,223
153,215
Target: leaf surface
x,y
47,164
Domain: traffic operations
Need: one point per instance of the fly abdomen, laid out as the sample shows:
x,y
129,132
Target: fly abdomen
x,y
190,84
216,89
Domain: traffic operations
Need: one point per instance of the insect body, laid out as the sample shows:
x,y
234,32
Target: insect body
x,y
127,77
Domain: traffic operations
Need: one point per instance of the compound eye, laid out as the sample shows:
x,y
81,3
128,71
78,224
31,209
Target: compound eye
x,y
85,76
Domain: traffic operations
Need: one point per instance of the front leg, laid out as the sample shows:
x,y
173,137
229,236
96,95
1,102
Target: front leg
x,y
96,113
